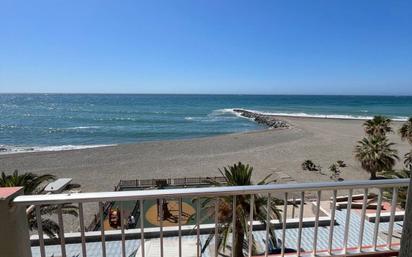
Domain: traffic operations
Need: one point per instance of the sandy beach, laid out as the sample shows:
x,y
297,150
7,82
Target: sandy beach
x,y
278,150
269,151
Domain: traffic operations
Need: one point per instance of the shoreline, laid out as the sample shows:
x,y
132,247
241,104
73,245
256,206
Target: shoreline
x,y
303,115
268,151
301,129
17,150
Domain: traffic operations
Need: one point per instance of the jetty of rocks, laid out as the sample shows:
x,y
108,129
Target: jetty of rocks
x,y
265,119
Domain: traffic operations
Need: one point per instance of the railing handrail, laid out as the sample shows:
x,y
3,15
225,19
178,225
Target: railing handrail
x,y
204,192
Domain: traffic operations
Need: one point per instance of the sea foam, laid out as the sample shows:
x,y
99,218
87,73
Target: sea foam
x,y
307,115
5,149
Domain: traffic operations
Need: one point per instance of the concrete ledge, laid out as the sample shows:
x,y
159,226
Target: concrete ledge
x,y
7,193
14,235
385,217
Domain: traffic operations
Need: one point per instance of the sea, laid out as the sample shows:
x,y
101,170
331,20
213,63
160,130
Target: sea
x,y
53,122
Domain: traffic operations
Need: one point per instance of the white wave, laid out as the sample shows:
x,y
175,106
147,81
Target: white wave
x,y
83,127
221,112
76,129
307,115
214,116
117,119
23,149
400,118
232,112
210,118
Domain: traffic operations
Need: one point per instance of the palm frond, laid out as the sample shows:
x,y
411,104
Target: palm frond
x,y
408,160
378,126
30,181
238,174
376,154
406,130
402,191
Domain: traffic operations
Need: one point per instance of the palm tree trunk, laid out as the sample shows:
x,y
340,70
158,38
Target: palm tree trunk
x,y
406,241
239,240
373,175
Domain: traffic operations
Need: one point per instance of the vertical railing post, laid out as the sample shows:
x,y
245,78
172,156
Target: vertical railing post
x,y
394,202
234,219
250,234
332,222
406,240
347,221
363,216
216,227
285,216
315,234
268,219
301,212
14,236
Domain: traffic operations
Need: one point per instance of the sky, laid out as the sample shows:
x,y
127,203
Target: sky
x,y
206,47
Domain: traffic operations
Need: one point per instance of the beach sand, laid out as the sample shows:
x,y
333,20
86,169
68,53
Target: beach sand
x,y
279,150
269,151
100,169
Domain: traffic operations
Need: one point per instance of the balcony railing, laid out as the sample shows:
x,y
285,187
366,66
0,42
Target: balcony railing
x,y
344,231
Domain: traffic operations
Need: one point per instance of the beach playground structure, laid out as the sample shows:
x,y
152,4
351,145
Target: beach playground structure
x,y
153,210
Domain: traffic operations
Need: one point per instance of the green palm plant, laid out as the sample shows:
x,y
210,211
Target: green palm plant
x,y
376,154
49,226
30,181
406,134
408,160
402,191
378,126
34,184
310,166
239,175
406,130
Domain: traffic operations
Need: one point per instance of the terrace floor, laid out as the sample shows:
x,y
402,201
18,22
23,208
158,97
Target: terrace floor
x,y
132,246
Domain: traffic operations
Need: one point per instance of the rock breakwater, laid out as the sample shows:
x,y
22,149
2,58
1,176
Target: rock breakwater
x,y
265,119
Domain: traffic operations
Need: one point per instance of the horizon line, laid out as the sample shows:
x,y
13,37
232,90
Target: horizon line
x,y
235,94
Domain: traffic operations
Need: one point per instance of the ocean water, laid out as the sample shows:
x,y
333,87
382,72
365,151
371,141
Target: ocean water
x,y
38,122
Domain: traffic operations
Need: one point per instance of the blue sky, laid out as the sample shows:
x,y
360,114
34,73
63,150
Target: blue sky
x,y
213,46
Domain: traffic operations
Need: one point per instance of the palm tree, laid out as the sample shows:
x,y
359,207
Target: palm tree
x,y
49,226
30,181
406,247
376,154
402,191
406,239
239,175
34,184
406,131
406,134
378,126
408,160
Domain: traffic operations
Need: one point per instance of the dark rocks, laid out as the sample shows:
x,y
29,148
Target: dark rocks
x,y
265,119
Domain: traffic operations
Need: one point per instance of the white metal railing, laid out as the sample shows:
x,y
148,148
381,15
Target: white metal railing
x,y
283,190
